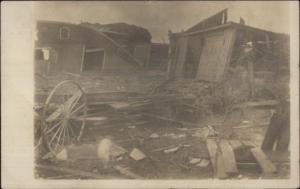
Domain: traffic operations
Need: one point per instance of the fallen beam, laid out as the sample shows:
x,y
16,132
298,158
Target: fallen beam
x,y
228,157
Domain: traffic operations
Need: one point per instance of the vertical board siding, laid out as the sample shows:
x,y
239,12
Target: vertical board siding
x,y
214,57
180,55
71,56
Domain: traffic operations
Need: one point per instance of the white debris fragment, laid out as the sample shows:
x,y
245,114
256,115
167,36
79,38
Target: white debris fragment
x,y
62,155
154,135
104,150
183,129
194,160
171,150
119,158
203,163
131,127
136,154
245,121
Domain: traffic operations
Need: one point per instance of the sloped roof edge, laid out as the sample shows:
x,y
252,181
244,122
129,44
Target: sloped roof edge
x,y
228,24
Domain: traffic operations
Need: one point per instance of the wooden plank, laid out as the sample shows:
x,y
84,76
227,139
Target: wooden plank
x,y
221,166
215,55
236,144
72,171
265,164
248,143
261,103
215,159
181,56
93,50
228,157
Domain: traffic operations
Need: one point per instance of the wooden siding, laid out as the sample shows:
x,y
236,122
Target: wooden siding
x,y
215,55
179,56
142,53
71,57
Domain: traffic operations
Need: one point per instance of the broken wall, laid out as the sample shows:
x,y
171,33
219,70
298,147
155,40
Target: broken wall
x,y
215,55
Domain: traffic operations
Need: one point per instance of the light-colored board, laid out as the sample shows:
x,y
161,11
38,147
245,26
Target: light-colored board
x,y
236,144
215,159
264,162
228,157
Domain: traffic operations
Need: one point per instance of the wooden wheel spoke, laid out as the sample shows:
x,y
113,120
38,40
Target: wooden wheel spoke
x,y
53,127
73,105
54,135
72,131
68,135
63,127
73,100
77,109
64,135
55,115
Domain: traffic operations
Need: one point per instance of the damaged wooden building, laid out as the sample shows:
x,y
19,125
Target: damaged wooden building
x,y
209,49
92,48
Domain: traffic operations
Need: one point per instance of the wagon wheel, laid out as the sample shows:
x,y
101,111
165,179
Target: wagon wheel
x,y
64,115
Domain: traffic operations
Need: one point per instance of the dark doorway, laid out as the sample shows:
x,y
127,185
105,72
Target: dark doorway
x,y
93,60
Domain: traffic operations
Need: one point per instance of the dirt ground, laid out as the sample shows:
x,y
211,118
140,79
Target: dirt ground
x,y
249,125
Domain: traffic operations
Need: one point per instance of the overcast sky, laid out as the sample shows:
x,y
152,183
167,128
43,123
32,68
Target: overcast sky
x,y
158,17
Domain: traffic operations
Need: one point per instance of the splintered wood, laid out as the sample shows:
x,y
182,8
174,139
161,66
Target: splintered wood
x,y
222,158
265,164
215,159
228,157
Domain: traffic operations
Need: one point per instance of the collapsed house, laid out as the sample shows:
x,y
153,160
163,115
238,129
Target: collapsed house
x,y
208,50
80,48
89,48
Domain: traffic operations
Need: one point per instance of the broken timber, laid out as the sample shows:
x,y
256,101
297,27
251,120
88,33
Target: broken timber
x,y
228,157
216,159
265,164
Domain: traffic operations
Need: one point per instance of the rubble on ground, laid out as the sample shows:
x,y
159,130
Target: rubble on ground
x,y
179,131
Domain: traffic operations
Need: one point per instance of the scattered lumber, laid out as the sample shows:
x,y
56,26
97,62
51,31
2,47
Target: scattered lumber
x,y
215,159
228,157
261,103
126,172
250,126
170,120
265,164
72,171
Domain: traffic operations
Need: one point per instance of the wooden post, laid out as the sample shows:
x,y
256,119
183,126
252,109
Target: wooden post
x,y
251,77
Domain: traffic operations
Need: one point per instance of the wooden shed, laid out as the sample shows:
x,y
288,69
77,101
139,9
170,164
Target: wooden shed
x,y
206,50
78,48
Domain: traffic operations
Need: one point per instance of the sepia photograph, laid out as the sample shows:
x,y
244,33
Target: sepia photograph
x,y
156,91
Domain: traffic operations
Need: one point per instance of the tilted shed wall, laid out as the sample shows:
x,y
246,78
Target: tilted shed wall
x,y
216,54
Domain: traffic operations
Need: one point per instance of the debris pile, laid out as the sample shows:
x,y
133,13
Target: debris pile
x,y
168,133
